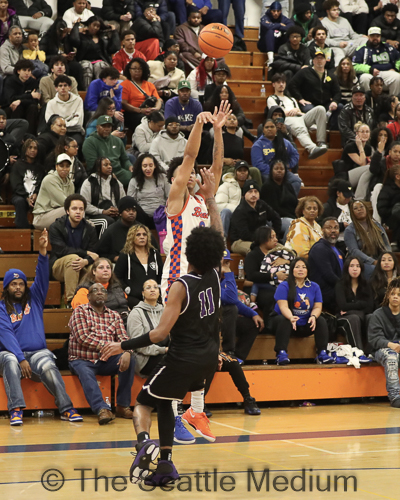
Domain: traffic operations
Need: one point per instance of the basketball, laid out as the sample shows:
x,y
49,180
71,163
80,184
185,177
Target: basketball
x,y
216,40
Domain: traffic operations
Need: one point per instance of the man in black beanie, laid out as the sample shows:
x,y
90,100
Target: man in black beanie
x,y
306,19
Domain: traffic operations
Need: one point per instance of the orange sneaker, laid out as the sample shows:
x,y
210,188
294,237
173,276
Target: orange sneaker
x,y
200,424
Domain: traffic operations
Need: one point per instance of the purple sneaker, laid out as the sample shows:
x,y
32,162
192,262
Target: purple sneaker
x,y
164,474
146,452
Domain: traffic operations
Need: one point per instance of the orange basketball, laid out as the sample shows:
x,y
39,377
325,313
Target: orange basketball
x,y
216,40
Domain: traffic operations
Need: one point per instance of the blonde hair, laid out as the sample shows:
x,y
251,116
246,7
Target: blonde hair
x,y
358,125
129,247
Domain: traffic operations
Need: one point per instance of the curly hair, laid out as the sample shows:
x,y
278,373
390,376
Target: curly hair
x,y
395,283
138,173
215,100
295,29
89,276
205,248
308,199
379,279
23,64
26,145
174,164
329,4
129,247
374,139
372,241
143,65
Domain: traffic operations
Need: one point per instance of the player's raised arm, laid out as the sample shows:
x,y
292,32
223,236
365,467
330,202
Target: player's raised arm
x,y
183,172
220,117
207,189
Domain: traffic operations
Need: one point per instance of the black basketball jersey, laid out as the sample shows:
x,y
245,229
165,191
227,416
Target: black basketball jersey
x,y
195,335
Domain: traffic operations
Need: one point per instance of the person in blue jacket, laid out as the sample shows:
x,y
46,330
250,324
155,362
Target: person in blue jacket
x,y
272,145
273,26
23,351
238,320
107,85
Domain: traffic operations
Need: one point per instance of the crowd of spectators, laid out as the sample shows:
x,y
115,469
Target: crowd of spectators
x,y
69,165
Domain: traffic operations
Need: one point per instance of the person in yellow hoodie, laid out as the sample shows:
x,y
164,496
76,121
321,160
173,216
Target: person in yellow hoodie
x,y
38,57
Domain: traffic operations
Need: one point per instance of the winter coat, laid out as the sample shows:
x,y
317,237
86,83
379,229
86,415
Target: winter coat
x,y
354,243
329,55
288,59
246,219
383,58
307,26
229,193
96,190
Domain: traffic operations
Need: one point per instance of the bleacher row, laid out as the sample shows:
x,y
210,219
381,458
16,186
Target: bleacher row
x,y
268,382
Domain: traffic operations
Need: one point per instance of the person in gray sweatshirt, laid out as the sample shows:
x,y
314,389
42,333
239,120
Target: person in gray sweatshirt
x,y
143,318
384,338
169,143
341,36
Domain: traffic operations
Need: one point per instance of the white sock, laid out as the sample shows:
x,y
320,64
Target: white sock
x,y
175,407
270,57
197,401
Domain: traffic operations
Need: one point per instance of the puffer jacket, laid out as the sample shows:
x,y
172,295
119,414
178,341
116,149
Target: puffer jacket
x,y
229,193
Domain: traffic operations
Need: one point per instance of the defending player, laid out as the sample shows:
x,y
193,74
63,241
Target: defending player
x,y
191,317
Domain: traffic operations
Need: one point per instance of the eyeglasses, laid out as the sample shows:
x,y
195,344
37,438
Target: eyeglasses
x,y
154,287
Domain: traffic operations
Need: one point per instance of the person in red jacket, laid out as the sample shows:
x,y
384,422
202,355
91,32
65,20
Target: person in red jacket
x,y
127,53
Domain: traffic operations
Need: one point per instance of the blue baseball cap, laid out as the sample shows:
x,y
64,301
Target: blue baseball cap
x,y
227,254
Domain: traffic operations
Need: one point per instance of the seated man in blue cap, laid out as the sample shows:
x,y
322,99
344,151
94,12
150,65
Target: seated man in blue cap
x,y
23,352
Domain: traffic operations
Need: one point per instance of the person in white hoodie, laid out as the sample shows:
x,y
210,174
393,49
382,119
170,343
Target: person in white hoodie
x,y
169,143
142,319
229,193
147,131
69,106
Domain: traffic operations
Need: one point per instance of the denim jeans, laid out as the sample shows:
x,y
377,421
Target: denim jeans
x,y
87,371
43,368
390,361
226,216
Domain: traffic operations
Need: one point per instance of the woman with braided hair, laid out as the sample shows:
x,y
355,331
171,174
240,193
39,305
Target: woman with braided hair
x,y
364,237
384,338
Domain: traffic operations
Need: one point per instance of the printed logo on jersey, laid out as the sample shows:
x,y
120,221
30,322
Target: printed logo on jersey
x,y
301,305
198,213
18,317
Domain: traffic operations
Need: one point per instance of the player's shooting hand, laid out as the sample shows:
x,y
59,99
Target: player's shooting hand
x,y
207,189
110,349
26,369
205,117
221,114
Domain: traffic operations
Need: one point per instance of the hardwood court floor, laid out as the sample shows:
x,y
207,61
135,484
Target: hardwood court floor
x,y
360,440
